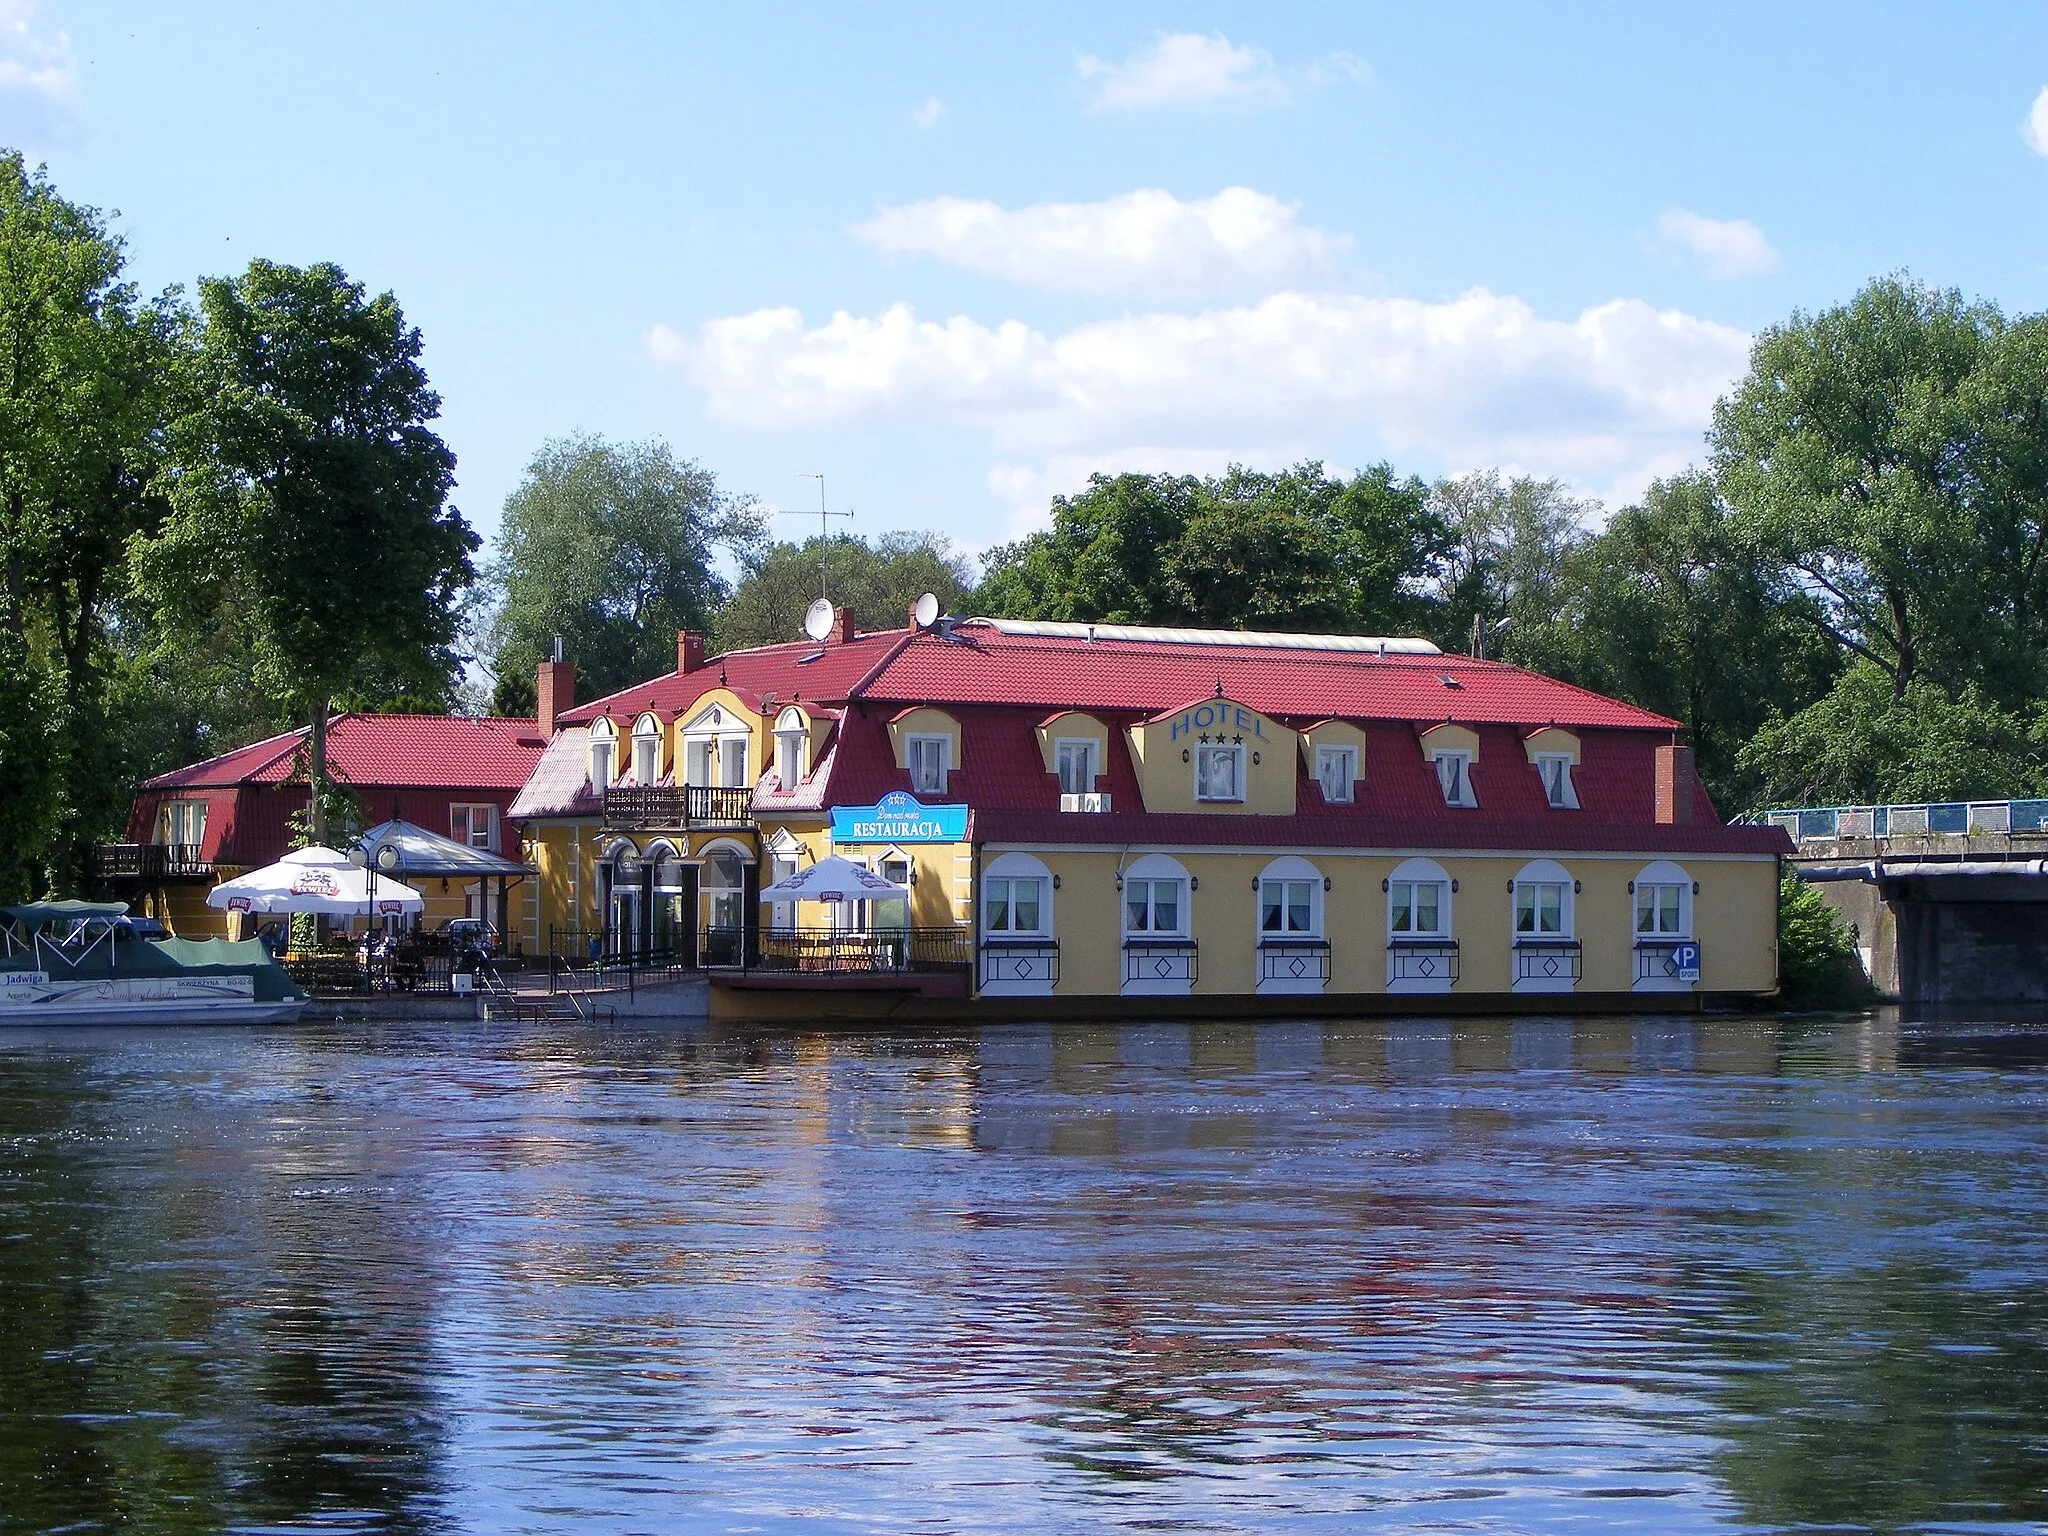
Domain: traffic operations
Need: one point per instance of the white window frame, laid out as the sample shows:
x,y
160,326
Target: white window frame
x,y
1682,901
604,746
1206,752
1397,902
914,747
1150,885
1007,886
183,823
1064,749
1311,891
1555,770
1454,777
1529,903
1338,765
462,825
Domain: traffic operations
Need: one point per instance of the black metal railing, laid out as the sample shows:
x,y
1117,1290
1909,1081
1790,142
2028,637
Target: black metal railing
x,y
1010,959
1658,960
688,805
150,861
339,972
1548,959
1429,960
1160,960
838,951
1294,960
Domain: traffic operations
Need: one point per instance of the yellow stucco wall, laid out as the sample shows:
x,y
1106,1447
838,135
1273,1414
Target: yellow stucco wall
x,y
1551,741
1168,782
1734,919
1072,725
924,722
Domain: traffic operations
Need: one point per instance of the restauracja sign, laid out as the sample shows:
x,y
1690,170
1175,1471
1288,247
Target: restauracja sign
x,y
899,817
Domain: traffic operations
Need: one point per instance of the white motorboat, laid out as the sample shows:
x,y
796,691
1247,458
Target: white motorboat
x,y
81,962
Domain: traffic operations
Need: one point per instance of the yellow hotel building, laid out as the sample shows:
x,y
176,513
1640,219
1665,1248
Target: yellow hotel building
x,y
1101,819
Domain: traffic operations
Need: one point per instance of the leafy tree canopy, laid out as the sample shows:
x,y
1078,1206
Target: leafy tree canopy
x,y
611,546
878,581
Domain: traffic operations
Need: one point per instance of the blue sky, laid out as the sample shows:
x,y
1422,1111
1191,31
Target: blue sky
x,y
957,261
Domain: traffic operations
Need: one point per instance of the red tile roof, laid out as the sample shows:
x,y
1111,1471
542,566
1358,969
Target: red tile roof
x,y
781,673
451,751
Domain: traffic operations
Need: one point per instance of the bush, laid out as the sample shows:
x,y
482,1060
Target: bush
x,y
1817,963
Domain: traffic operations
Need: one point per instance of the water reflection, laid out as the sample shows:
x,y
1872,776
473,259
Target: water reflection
x,y
1300,1275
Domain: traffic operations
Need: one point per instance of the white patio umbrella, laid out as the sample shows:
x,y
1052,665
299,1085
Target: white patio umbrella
x,y
317,880
834,879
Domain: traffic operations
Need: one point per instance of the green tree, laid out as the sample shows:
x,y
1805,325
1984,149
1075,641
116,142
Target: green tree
x,y
1893,454
1865,743
1507,545
1295,549
612,547
1669,609
90,374
312,489
1817,963
878,581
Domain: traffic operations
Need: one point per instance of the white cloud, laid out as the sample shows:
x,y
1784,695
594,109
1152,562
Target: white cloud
x,y
38,77
1183,67
1730,247
930,114
1478,379
2035,129
1146,241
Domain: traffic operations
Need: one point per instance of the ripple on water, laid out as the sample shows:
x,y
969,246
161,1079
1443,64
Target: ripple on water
x,y
1662,1275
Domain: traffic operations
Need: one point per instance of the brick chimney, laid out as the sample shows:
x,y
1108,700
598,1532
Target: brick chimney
x,y
1675,781
842,626
689,650
556,687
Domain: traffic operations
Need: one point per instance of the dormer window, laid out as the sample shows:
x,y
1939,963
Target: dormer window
x,y
646,750
603,740
1219,773
1336,772
1074,759
1555,769
928,758
1454,778
791,736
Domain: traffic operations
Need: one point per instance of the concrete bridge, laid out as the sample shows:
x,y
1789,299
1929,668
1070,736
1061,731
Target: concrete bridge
x,y
1949,903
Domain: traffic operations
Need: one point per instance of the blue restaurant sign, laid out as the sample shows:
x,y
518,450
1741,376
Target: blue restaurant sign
x,y
899,818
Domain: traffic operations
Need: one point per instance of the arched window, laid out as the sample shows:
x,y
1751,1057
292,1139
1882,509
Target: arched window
x,y
1159,950
646,750
1422,954
785,853
1292,954
603,744
1667,954
792,736
670,918
1019,957
1544,945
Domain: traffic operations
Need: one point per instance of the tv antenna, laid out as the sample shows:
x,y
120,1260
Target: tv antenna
x,y
824,537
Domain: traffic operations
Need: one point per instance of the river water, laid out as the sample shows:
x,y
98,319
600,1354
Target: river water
x,y
1542,1275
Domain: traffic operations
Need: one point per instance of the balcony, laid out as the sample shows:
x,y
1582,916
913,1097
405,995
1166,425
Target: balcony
x,y
1294,961
1160,962
1667,962
1010,959
1429,962
114,862
1548,961
669,806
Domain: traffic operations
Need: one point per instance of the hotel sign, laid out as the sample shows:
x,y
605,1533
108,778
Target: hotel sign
x,y
1217,715
899,818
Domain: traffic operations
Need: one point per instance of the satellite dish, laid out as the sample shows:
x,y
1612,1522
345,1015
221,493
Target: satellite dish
x,y
927,610
818,621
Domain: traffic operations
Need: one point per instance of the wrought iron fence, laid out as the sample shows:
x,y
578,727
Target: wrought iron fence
x,y
1658,960
686,805
841,951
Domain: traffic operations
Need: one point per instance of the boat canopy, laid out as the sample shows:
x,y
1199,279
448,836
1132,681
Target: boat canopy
x,y
37,913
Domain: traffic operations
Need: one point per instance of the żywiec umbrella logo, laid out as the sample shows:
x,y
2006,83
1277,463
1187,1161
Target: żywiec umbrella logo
x,y
314,882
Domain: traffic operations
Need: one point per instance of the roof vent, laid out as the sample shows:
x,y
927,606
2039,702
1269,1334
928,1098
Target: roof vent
x,y
1448,682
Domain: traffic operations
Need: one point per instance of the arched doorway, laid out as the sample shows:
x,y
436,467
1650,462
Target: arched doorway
x,y
722,903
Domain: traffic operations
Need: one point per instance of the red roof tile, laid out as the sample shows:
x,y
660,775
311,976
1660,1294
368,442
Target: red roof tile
x,y
801,671
453,751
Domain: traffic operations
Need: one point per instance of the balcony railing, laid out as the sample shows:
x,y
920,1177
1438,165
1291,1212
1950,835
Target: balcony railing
x,y
1160,960
1013,959
1430,960
1665,960
1294,960
836,951
689,805
1548,959
150,861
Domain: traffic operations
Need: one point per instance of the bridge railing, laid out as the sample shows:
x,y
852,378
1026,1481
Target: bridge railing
x,y
1953,818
